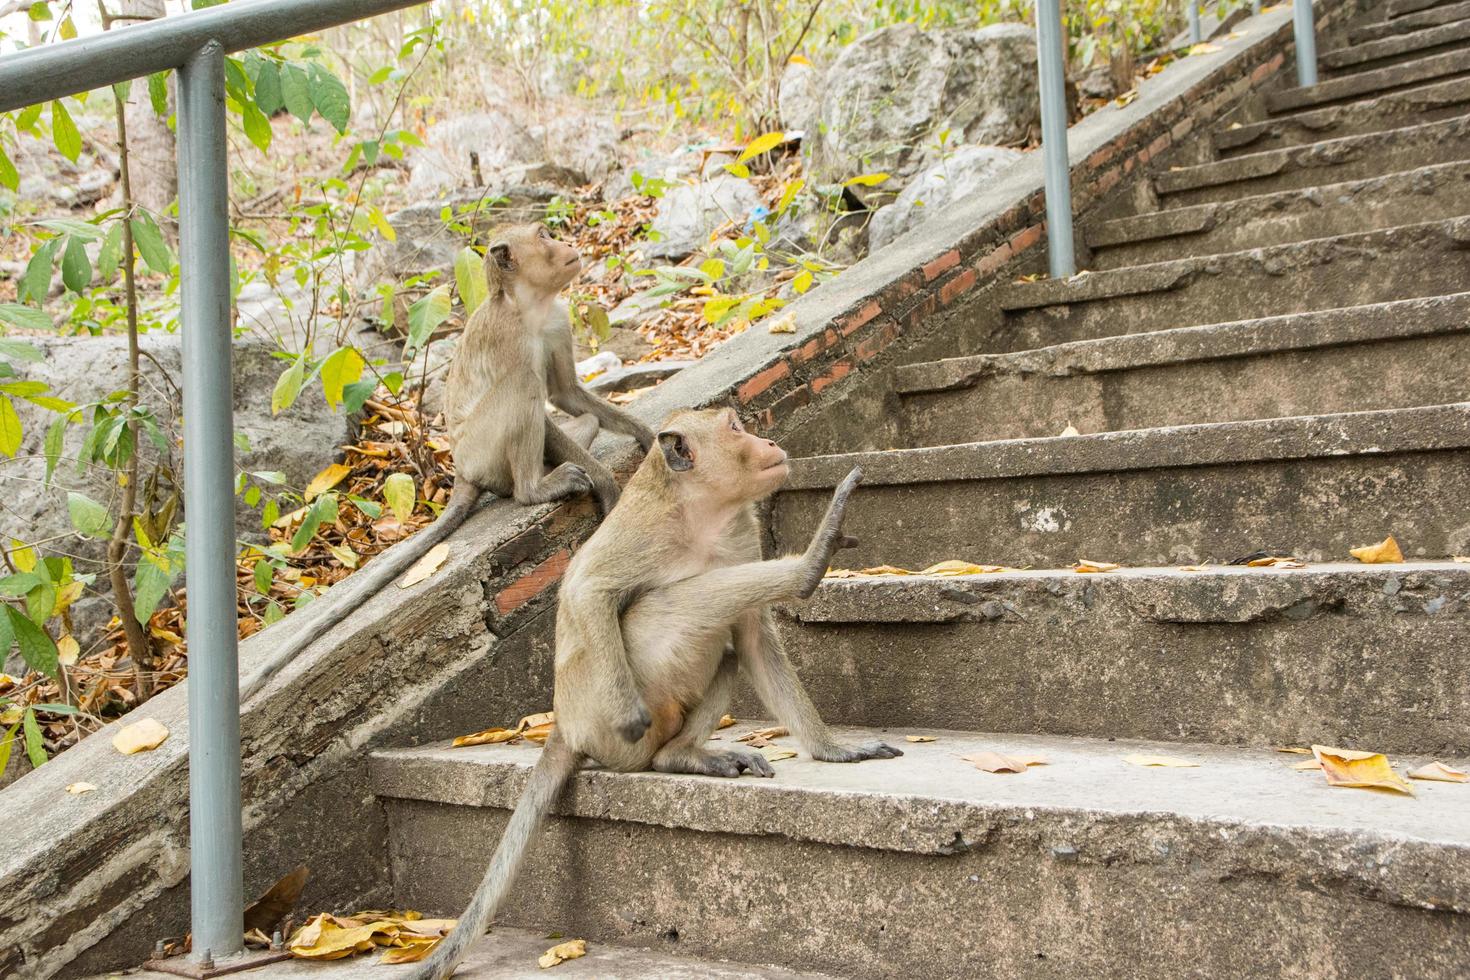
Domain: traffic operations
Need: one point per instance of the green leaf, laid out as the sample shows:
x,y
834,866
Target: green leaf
x,y
273,613
34,747
9,427
151,244
35,282
9,176
382,224
264,572
309,525
109,256
89,517
150,585
356,393
270,513
761,144
64,132
41,603
7,640
6,744
15,315
372,510
296,92
425,315
257,126
40,11
288,386
330,97
84,230
54,436
469,277
76,268
398,492
158,92
341,368
17,585
37,648
268,88
789,194
28,118
19,349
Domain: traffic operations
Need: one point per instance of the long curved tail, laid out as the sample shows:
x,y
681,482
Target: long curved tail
x,y
557,764
345,597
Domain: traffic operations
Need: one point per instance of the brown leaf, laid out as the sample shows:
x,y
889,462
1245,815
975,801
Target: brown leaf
x,y
267,911
1276,561
1362,770
490,736
140,736
570,950
536,720
956,568
1440,772
761,737
726,721
1164,761
1294,750
996,762
1084,566
425,566
1307,764
921,738
1383,552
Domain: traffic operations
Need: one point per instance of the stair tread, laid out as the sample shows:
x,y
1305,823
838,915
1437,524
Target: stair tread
x,y
1356,54
1432,95
1375,30
1428,428
1366,82
1239,338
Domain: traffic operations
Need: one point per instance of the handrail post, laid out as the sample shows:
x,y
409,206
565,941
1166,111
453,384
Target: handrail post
x,y
1196,35
216,881
1054,139
1255,8
1305,27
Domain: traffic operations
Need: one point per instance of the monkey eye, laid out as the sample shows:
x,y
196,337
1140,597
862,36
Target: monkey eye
x,y
545,232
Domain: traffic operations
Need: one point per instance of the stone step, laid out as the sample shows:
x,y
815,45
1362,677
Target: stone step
x,y
510,954
1310,164
1426,193
1227,654
1396,49
1394,110
926,866
1387,355
1323,273
1417,21
1365,83
1401,8
1311,486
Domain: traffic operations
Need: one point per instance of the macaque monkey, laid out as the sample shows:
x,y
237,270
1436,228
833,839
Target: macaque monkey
x,y
515,355
658,610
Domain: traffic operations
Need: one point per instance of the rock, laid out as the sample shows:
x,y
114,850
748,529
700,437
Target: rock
x,y
890,94
799,99
673,168
586,143
46,177
689,213
945,182
443,162
1096,83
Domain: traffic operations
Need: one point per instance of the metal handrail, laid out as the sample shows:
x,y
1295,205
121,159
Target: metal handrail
x,y
195,44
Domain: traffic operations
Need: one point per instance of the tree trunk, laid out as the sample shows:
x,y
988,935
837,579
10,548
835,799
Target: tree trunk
x,y
150,141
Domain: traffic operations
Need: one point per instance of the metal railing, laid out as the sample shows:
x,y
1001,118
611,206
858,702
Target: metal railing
x,y
1051,71
196,44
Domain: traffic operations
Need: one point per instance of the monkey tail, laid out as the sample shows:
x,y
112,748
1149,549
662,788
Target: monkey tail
x,y
557,764
346,596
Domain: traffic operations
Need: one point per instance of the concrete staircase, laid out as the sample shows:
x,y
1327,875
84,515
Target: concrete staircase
x,y
1272,355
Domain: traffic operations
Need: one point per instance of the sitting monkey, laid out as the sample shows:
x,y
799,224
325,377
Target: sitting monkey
x,y
515,354
649,610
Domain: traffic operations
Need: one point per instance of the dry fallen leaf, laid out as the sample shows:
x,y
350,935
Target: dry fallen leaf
x,y
1363,770
490,736
1163,761
266,912
67,650
1294,750
1084,566
409,936
1276,561
140,736
1463,559
570,950
921,738
1193,568
538,733
425,566
537,720
1438,772
77,789
774,753
956,568
1307,764
784,324
726,721
1070,430
1383,552
996,762
761,737
326,480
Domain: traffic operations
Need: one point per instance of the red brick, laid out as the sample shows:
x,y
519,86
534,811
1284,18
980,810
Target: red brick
x,y
1181,129
1159,145
998,257
838,371
529,586
880,339
789,403
850,323
953,287
920,310
899,290
1107,182
945,262
1103,155
1023,240
758,384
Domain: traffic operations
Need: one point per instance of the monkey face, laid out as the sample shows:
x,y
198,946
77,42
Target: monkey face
x,y
533,259
713,451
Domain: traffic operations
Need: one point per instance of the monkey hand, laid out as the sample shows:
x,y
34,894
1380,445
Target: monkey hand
x,y
837,752
829,537
632,721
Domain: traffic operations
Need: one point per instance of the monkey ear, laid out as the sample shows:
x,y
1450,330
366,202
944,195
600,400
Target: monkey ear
x,y
498,265
676,450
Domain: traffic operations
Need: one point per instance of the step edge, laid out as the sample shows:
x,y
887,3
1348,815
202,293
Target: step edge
x,y
1304,118
1362,83
1356,54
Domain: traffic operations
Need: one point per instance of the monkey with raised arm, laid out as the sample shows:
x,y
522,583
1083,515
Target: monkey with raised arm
x,y
514,355
657,612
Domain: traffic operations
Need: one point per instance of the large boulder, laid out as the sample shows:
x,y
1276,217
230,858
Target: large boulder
x,y
443,162
891,94
689,213
947,181
799,98
585,143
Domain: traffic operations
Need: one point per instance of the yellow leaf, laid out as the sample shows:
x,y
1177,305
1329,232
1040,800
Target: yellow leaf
x,y
489,736
1464,559
67,649
789,194
953,568
532,721
425,566
1292,749
327,479
1084,566
344,554
1070,430
539,733
1192,568
570,950
1437,771
774,753
7,680
761,144
1383,552
12,715
140,736
412,951
762,736
1308,764
398,493
996,762
1276,561
799,59
726,721
921,738
77,789
1204,47
785,323
866,180
1166,761
1364,770
885,570
324,937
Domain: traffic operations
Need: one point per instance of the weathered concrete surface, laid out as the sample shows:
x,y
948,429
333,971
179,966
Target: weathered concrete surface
x,y
1343,158
1390,355
1397,48
925,866
1313,487
1424,194
1430,17
1345,270
1368,82
511,954
1228,654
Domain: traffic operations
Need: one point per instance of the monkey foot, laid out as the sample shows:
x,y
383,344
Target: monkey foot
x,y
728,763
857,753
